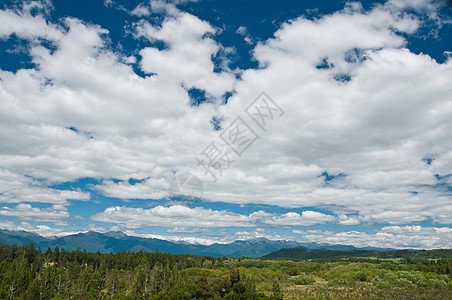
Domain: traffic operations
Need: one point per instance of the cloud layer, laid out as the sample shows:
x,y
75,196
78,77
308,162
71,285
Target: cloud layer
x,y
366,132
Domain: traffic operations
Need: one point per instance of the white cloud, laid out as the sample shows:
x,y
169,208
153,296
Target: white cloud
x,y
43,230
141,11
173,216
307,218
375,129
246,36
180,216
55,214
16,188
207,240
411,237
27,26
261,233
185,230
187,60
419,5
332,36
148,189
121,122
108,3
348,220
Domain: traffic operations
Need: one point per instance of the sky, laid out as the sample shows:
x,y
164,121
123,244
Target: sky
x,y
211,121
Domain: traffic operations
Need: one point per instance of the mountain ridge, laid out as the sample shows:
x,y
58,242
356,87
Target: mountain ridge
x,y
117,241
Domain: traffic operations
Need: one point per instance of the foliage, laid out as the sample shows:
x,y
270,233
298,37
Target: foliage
x,y
393,255
28,273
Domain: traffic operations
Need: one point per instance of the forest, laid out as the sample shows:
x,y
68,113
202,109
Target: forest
x,y
27,272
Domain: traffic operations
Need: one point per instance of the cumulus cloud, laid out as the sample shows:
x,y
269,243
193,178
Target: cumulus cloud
x,y
411,237
15,188
55,214
148,188
375,128
306,218
179,216
366,130
21,22
261,233
118,129
187,60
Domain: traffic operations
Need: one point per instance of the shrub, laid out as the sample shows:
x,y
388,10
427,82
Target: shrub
x,y
302,280
341,281
403,282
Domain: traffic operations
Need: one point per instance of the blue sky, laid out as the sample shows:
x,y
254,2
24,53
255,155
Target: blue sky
x,y
316,121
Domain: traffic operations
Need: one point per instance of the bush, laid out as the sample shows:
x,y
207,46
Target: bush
x,y
302,280
382,284
361,276
341,281
437,283
403,282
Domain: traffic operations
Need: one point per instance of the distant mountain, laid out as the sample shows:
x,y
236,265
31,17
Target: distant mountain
x,y
251,248
8,238
303,253
118,241
4,243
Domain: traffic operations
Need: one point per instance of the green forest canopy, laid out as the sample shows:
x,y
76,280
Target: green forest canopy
x,y
29,273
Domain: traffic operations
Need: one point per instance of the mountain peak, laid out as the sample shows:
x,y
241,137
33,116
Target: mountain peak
x,y
116,234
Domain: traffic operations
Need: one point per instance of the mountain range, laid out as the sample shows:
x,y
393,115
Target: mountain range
x,y
92,241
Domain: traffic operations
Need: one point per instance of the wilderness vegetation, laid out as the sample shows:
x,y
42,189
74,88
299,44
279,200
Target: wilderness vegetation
x,y
29,273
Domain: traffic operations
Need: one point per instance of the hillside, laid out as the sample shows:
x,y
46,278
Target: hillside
x,y
303,253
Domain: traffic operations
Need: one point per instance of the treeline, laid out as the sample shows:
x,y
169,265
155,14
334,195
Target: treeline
x,y
29,273
303,253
